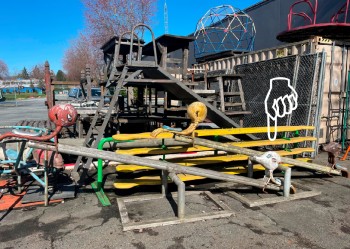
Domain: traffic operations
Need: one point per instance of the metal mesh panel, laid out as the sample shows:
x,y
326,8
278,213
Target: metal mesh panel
x,y
302,70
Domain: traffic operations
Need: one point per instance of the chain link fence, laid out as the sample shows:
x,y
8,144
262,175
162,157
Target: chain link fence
x,y
303,72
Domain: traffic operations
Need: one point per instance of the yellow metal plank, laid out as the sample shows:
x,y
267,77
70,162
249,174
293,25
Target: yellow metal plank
x,y
280,141
144,135
216,132
157,151
208,160
181,149
156,180
250,130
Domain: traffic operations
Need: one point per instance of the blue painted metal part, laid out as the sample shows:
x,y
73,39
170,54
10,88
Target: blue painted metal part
x,y
19,159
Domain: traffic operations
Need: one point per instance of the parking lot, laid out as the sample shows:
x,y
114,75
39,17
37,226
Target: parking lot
x,y
322,221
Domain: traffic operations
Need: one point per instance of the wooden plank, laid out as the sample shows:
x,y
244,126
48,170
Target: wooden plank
x,y
241,94
156,180
124,216
175,220
216,132
222,97
231,93
127,168
230,104
233,113
182,149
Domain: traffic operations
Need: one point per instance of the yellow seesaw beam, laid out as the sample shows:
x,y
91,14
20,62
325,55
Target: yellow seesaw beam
x,y
156,180
182,149
215,132
208,160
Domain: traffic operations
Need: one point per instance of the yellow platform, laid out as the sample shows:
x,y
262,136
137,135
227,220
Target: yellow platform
x,y
156,180
210,160
215,132
183,149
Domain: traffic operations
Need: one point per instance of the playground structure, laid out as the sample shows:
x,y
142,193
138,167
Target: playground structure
x,y
192,154
222,29
336,29
22,161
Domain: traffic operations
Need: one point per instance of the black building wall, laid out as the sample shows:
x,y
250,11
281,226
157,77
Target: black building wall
x,y
270,18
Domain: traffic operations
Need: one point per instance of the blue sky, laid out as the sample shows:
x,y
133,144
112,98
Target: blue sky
x,y
33,31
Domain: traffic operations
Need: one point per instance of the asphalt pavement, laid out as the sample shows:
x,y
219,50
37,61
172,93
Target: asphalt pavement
x,y
316,222
30,109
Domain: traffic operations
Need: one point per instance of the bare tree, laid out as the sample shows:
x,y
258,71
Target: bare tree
x,y
106,18
38,72
4,71
77,56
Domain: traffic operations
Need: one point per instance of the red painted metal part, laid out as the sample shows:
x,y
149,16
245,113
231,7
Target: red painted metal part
x,y
306,17
343,10
334,30
62,115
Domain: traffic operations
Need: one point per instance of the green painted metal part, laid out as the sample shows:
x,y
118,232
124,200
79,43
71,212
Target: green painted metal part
x,y
97,186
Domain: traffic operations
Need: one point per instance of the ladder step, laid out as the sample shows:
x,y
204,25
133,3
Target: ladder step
x,y
204,92
233,113
229,104
191,83
232,93
174,109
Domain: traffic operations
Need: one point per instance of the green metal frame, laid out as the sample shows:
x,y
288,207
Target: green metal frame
x,y
97,186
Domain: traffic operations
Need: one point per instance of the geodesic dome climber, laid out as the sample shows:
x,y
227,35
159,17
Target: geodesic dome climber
x,y
224,28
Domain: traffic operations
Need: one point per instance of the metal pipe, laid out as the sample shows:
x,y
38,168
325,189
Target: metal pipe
x,y
180,195
172,167
250,169
287,180
46,181
148,143
319,102
17,165
164,176
42,183
100,162
249,152
329,118
314,80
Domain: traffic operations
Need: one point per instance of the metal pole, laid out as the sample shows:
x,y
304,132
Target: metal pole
x,y
180,195
249,152
330,113
319,103
46,187
250,169
172,167
164,176
18,166
287,180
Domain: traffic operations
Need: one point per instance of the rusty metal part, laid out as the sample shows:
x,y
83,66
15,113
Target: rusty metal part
x,y
162,165
196,111
62,115
249,152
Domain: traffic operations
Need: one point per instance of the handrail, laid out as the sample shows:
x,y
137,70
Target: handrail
x,y
303,14
343,10
153,41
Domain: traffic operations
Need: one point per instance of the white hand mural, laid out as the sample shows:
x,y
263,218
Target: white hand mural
x,y
281,105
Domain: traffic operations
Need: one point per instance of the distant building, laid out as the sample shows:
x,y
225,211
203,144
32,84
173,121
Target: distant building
x,y
21,86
